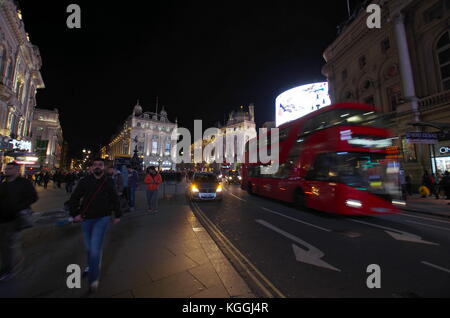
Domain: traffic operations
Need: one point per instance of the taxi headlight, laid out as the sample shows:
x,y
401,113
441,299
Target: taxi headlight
x,y
194,189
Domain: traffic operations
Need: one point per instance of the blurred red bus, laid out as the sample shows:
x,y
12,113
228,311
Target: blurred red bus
x,y
338,159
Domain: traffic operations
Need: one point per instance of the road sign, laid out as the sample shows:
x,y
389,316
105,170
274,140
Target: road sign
x,y
422,138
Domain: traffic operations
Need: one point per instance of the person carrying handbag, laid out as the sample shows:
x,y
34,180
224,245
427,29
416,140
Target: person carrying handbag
x,y
99,201
17,194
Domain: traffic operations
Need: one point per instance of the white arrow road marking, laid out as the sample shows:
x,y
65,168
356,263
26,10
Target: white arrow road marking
x,y
297,220
312,255
437,267
397,234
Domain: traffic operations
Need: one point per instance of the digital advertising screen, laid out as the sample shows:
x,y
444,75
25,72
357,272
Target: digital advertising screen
x,y
300,101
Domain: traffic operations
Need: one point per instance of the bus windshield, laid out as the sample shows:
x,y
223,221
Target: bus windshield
x,y
370,172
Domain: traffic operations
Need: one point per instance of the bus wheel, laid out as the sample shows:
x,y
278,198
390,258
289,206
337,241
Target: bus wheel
x,y
299,199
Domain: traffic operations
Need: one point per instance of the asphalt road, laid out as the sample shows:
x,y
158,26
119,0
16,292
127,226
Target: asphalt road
x,y
313,254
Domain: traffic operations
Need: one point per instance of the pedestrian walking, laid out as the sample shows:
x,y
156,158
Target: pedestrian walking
x,y
17,194
46,179
70,182
426,182
445,184
133,179
153,179
99,202
117,178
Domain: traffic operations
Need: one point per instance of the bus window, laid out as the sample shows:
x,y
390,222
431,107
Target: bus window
x,y
337,117
322,169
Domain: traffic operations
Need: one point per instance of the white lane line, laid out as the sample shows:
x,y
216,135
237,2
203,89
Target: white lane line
x,y
285,216
238,197
424,218
311,255
429,225
297,220
437,267
397,234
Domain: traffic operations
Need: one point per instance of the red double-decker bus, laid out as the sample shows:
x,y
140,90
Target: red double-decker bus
x,y
338,159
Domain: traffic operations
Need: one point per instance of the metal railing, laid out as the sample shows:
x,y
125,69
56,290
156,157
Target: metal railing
x,y
436,100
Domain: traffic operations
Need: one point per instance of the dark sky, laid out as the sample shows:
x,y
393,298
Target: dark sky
x,y
203,59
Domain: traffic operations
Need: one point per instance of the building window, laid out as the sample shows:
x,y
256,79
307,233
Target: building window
x,y
168,149
443,52
369,100
435,12
394,96
385,45
362,62
154,147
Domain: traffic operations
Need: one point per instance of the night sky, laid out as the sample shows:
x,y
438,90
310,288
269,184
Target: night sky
x,y
203,59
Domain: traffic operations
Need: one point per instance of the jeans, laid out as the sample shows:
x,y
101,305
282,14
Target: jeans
x,y
132,196
94,232
9,246
152,199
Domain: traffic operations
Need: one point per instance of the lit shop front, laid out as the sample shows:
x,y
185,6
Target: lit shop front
x,y
18,151
440,159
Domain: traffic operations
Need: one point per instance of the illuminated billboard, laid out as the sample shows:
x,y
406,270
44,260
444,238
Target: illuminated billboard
x,y
300,101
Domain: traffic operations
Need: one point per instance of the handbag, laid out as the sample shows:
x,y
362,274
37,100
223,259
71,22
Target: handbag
x,y
24,220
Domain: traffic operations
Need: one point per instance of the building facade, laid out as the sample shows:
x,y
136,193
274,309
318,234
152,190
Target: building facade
x,y
20,77
151,133
403,69
47,138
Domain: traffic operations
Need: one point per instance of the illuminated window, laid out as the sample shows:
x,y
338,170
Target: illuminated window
x,y
154,147
168,149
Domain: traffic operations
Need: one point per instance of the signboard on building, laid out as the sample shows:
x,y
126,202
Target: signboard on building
x,y
21,145
422,138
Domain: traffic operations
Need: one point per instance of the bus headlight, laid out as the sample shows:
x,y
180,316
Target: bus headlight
x,y
219,188
399,202
194,189
353,203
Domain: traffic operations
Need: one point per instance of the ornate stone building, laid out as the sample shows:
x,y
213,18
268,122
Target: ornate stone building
x,y
403,69
151,133
47,141
20,77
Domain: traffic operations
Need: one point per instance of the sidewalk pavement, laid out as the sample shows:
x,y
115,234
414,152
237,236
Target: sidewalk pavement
x,y
430,205
167,255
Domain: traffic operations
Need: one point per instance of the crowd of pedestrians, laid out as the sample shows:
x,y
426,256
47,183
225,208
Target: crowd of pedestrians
x,y
97,196
435,185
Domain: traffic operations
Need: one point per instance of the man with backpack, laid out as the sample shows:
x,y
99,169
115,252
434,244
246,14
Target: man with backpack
x,y
99,201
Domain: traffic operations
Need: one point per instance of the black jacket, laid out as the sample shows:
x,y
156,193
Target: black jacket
x,y
103,204
14,197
